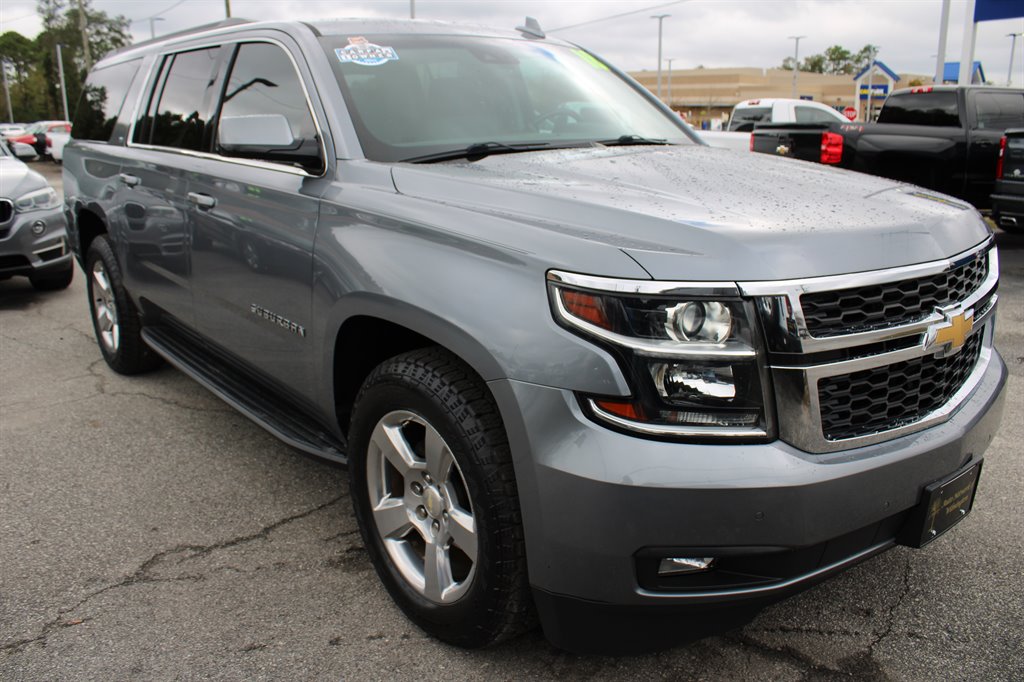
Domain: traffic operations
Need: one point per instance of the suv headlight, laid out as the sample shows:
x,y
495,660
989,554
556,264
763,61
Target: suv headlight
x,y
37,201
691,352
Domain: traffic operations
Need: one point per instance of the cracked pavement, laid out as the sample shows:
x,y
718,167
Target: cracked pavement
x,y
148,531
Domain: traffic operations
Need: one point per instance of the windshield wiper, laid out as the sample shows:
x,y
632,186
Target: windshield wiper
x,y
478,150
626,140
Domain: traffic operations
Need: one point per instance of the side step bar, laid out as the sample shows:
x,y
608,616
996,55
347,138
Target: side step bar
x,y
261,405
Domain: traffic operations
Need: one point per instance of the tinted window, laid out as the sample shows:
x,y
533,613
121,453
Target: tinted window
x,y
101,101
743,120
413,96
264,83
922,109
812,115
999,110
180,120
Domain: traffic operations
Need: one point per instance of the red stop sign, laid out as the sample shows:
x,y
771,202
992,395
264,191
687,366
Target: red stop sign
x,y
850,113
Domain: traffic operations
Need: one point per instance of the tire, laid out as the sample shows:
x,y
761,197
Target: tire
x,y
115,319
431,402
53,282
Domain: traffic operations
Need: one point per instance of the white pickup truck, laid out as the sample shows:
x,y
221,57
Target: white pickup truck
x,y
55,142
751,112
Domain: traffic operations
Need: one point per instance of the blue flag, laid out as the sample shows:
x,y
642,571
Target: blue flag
x,y
989,10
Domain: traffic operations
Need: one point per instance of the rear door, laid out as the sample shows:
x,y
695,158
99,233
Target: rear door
x,y
153,182
254,216
991,114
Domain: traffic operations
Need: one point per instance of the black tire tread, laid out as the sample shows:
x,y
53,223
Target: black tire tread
x,y
466,398
133,356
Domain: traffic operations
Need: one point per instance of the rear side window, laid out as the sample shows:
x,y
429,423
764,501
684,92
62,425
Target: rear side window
x,y
999,110
101,101
743,120
921,109
812,115
176,116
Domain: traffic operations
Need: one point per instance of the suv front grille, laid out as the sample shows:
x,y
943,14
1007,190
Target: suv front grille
x,y
848,311
6,210
887,397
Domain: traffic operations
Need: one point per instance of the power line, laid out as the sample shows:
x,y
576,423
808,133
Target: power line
x,y
616,16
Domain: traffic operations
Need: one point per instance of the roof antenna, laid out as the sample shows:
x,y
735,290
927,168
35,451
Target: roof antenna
x,y
532,29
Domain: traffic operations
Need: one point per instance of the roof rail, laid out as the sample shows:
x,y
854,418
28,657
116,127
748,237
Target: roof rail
x,y
223,23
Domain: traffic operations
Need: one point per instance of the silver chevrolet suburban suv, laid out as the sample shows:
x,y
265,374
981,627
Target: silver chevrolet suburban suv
x,y
583,368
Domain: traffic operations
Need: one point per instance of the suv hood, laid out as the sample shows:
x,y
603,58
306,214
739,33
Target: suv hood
x,y
16,178
692,212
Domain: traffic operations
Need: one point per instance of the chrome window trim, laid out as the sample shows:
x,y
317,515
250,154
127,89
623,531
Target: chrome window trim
x,y
675,431
252,163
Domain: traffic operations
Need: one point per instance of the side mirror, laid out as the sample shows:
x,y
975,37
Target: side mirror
x,y
266,131
267,137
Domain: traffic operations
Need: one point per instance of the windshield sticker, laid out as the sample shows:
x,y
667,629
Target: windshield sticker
x,y
361,51
591,59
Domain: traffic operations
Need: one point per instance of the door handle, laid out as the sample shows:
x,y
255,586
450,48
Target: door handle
x,y
202,200
130,180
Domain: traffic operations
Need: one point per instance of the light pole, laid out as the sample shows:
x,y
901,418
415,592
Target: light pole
x,y
1013,48
796,60
7,92
152,27
669,82
661,19
412,9
871,89
63,85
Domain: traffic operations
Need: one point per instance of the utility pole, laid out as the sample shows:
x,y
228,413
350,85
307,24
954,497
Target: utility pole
x,y
412,9
7,92
63,85
1013,48
940,58
152,26
661,19
669,82
227,8
796,61
86,52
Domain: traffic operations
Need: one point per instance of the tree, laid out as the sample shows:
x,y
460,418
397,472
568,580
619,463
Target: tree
x,y
815,64
837,60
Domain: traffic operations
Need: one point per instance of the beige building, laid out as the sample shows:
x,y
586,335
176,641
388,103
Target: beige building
x,y
706,94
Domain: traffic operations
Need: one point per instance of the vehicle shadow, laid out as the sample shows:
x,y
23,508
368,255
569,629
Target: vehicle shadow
x,y
17,293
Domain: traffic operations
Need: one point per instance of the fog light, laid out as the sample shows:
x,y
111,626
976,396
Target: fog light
x,y
38,227
684,565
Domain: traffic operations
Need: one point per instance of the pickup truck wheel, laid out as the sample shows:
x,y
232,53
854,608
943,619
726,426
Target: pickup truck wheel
x,y
434,493
114,317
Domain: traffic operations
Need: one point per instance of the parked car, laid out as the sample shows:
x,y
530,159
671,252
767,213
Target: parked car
x,y
945,138
752,113
33,235
55,142
11,129
579,364
1008,197
35,134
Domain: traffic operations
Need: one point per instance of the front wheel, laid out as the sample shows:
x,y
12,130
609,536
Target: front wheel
x,y
434,493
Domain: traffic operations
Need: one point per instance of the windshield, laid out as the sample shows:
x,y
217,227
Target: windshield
x,y
413,96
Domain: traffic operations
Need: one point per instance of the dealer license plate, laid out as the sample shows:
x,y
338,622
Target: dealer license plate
x,y
943,505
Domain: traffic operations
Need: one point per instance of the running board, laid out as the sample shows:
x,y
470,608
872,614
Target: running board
x,y
259,404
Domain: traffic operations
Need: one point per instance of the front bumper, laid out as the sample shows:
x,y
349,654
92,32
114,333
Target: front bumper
x,y
25,253
595,503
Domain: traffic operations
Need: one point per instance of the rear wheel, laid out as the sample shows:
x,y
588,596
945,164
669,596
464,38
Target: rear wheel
x,y
114,316
434,492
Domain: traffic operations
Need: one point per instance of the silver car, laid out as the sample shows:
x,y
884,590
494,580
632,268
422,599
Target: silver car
x,y
33,230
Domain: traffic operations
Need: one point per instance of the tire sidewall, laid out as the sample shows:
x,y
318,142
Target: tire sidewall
x,y
386,396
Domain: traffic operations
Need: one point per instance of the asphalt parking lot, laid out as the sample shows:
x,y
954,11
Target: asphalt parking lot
x,y
148,531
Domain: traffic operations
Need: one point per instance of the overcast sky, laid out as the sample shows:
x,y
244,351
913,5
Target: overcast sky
x,y
714,33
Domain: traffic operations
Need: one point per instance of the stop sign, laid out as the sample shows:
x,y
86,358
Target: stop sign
x,y
850,113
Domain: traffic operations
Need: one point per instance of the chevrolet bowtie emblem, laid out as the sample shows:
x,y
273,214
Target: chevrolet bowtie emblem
x,y
950,335
782,150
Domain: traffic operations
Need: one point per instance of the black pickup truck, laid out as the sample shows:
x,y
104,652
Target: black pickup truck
x,y
945,138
